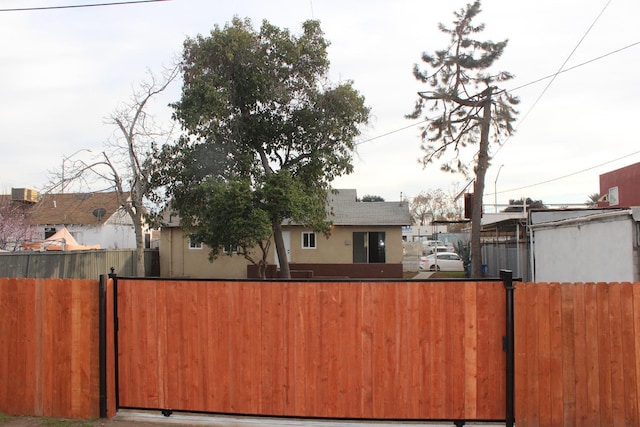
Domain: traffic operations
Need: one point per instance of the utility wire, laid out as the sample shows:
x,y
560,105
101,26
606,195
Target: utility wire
x,y
513,89
566,176
553,77
373,138
119,3
575,66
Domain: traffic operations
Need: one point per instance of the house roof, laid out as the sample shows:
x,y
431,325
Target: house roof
x,y
345,209
75,208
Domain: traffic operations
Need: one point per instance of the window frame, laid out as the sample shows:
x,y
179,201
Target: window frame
x,y
305,240
195,246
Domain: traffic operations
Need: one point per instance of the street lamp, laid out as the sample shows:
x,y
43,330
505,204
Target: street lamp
x,y
64,159
495,190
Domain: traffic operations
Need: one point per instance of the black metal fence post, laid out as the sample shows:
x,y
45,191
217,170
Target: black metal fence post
x,y
509,347
102,343
114,276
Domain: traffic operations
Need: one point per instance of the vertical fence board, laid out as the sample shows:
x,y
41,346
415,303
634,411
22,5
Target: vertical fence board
x,y
556,335
580,352
521,342
470,351
544,355
367,366
629,356
617,362
568,356
636,328
455,348
604,357
438,349
591,354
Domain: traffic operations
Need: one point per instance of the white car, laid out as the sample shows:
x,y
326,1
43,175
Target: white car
x,y
445,261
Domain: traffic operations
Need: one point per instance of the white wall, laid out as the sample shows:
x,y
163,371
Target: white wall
x,y
599,250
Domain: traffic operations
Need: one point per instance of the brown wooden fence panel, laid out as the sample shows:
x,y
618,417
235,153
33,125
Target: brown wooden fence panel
x,y
49,342
577,354
383,350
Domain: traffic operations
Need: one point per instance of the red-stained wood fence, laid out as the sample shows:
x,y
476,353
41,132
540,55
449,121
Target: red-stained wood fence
x,y
371,350
577,354
365,350
49,361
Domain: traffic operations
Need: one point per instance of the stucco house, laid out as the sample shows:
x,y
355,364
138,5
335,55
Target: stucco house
x,y
91,218
619,187
365,242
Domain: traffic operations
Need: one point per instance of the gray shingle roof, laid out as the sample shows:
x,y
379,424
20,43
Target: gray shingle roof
x,y
345,209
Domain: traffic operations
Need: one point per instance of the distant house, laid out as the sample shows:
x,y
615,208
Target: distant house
x,y
365,242
621,187
91,218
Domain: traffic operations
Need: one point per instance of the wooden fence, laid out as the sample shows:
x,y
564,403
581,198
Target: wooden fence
x,y
577,354
577,349
76,264
376,350
49,359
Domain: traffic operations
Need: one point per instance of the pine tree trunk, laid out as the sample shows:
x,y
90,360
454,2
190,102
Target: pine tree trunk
x,y
481,170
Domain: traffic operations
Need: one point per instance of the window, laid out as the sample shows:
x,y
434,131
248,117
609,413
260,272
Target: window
x,y
194,245
308,240
229,249
369,247
49,231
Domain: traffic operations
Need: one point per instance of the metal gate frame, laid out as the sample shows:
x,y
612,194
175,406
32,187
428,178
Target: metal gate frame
x,y
109,386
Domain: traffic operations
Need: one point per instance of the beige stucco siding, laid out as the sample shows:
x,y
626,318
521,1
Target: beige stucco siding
x,y
177,259
338,247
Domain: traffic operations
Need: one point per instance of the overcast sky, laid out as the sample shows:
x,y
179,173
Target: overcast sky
x,y
63,71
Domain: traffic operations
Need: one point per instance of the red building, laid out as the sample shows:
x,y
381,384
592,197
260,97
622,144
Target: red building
x,y
621,186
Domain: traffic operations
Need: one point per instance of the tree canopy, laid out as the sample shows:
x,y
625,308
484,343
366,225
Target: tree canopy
x,y
464,107
260,119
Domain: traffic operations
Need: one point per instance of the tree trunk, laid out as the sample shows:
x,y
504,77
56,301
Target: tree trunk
x,y
139,245
481,170
277,227
281,250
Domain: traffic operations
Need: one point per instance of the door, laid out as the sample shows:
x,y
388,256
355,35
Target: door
x,y
286,236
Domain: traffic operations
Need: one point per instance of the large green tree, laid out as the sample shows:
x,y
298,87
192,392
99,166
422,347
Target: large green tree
x,y
463,107
257,108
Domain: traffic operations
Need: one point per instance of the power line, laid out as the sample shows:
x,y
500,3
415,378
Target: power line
x,y
576,66
568,175
553,77
394,131
613,52
75,6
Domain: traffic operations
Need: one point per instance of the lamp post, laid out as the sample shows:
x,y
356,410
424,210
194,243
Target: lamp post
x,y
495,189
64,159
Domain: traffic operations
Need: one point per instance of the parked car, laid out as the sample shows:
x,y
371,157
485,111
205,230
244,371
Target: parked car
x,y
432,249
441,261
428,245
